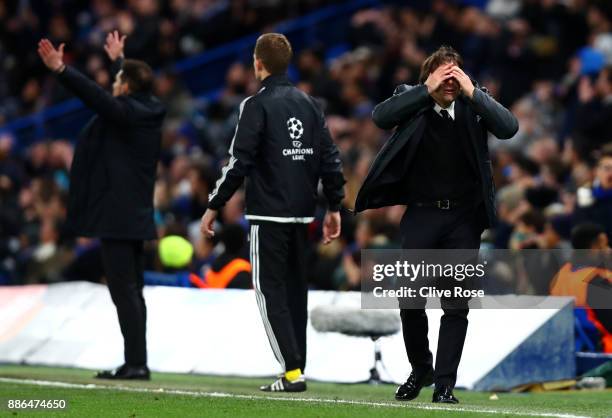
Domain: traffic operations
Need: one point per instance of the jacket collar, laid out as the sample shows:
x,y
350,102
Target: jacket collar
x,y
275,80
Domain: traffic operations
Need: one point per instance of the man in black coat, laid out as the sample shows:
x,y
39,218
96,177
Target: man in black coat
x,y
437,163
111,184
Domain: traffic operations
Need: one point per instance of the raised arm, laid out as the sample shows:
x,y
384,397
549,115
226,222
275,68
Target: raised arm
x,y
406,101
114,46
94,96
497,119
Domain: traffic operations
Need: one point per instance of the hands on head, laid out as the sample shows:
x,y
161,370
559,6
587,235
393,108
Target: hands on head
x,y
449,71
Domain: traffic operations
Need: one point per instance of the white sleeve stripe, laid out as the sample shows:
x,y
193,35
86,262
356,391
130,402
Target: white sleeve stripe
x,y
224,172
232,160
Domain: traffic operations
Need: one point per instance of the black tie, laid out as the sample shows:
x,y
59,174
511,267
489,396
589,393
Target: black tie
x,y
445,115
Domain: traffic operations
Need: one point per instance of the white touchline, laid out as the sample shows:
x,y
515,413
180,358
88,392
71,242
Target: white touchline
x,y
414,405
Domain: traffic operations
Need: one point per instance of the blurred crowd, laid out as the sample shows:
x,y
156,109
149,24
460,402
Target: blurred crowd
x,y
550,61
159,32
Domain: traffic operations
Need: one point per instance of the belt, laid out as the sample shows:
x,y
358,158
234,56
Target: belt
x,y
444,204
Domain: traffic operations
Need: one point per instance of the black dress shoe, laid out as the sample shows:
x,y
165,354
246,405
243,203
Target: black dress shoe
x,y
126,372
444,394
411,389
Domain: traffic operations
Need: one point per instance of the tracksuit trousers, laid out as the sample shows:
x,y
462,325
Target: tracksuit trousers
x,y
278,268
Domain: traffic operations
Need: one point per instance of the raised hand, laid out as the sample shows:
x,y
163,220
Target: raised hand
x,y
438,76
114,45
467,87
51,57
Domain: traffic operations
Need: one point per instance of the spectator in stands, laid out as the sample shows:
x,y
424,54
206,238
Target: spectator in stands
x,y
231,269
595,201
382,47
527,231
369,234
594,112
48,259
175,97
588,278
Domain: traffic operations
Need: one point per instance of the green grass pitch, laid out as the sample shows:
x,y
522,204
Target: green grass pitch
x,y
177,395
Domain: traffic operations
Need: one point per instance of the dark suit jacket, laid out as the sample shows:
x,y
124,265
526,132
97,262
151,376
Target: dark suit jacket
x,y
385,183
113,171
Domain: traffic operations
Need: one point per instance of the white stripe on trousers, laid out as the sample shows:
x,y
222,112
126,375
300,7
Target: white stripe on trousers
x,y
261,299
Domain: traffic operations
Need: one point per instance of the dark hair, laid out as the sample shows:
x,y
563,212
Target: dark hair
x,y
138,76
534,219
443,55
606,152
274,51
585,235
527,165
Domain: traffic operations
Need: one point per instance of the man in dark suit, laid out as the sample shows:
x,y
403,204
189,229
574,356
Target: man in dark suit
x,y
437,163
111,184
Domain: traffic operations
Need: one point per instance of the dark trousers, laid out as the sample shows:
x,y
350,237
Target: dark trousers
x,y
123,265
279,278
433,228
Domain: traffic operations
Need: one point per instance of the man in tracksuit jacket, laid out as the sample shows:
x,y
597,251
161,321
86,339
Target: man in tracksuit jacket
x,y
282,145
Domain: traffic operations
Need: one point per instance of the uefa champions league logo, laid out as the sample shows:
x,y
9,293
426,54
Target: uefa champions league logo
x,y
296,130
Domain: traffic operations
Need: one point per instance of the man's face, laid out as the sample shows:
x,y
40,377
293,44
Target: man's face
x,y
604,172
447,93
119,87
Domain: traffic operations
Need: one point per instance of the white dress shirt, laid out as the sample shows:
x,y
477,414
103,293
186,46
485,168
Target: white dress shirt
x,y
450,109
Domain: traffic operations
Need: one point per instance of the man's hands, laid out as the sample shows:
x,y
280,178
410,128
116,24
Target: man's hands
x,y
208,219
438,76
331,227
114,45
448,71
467,87
51,57
54,58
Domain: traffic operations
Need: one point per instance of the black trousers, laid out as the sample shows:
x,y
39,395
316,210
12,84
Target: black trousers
x,y
433,228
279,277
123,265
